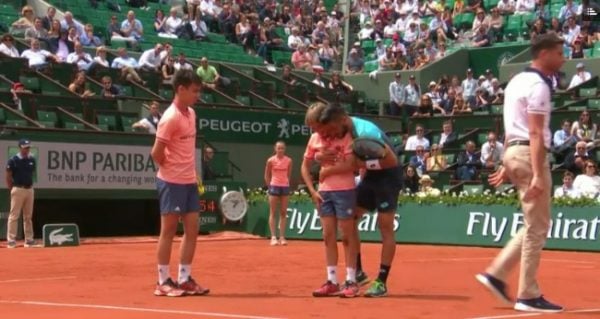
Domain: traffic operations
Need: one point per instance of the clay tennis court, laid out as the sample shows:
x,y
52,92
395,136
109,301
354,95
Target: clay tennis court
x,y
250,279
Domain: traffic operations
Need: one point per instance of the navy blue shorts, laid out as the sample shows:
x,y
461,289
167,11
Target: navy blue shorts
x,y
379,190
279,190
339,204
177,198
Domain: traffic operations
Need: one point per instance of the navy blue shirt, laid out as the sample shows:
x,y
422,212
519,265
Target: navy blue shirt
x,y
22,170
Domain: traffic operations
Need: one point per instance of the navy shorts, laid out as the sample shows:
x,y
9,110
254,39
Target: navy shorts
x,y
339,204
379,190
279,190
177,198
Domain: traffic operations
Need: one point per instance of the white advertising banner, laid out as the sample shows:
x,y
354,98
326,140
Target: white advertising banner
x,y
88,166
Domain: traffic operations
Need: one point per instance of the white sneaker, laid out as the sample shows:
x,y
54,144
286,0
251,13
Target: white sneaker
x,y
274,241
282,242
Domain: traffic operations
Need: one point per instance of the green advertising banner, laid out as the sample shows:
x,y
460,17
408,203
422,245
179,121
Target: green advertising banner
x,y
466,225
247,126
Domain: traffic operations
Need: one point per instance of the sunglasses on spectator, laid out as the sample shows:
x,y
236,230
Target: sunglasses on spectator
x,y
591,166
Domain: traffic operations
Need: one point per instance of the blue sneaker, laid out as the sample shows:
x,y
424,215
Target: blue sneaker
x,y
537,305
496,286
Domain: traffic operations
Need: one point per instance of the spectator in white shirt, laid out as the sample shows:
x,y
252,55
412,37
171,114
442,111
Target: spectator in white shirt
x,y
573,30
317,80
525,6
365,32
580,76
506,7
209,12
132,27
380,50
397,95
437,26
7,47
150,59
199,27
172,24
491,152
79,57
400,24
100,58
414,18
127,65
418,139
588,183
181,63
295,39
150,123
409,6
37,57
469,88
567,189
411,34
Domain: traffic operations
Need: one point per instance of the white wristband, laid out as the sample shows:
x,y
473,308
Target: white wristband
x,y
373,164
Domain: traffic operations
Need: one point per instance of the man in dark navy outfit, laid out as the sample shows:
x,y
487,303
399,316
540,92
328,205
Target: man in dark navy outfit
x,y
19,181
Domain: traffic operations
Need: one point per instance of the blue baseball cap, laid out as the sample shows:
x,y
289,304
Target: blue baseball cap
x,y
24,143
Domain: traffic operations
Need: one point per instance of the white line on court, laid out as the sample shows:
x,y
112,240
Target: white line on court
x,y
136,309
474,259
36,279
535,314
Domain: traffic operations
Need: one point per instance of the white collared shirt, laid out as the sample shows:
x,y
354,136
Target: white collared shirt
x,y
150,58
414,141
564,191
35,57
11,52
579,78
486,151
526,93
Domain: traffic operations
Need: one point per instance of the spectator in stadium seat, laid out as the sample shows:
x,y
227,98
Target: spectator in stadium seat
x,y
88,38
427,186
318,81
468,162
525,6
448,135
422,59
49,17
585,38
209,75
150,123
436,161
319,33
109,90
150,59
461,106
377,30
127,65
227,21
78,86
411,180
340,88
131,27
570,9
580,76
563,141
448,103
208,174
287,75
209,14
199,28
577,50
181,63
417,139
16,89
25,22
100,59
37,57
458,8
419,160
380,49
68,22
354,63
469,88
390,29
542,11
506,7
573,30
575,162
327,55
269,40
301,60
54,31
7,47
482,38
168,70
423,33
397,95
245,35
585,129
412,95
295,39
159,21
588,183
80,58
37,31
567,189
491,152
496,92
172,25
365,32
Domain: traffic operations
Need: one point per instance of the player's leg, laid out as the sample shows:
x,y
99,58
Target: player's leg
x,y
365,202
361,276
17,199
329,226
273,201
345,202
188,244
27,217
168,227
283,217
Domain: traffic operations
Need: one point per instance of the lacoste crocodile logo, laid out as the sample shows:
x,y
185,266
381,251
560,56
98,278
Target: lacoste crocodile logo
x,y
59,239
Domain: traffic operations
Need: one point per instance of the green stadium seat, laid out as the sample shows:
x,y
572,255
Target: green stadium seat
x,y
108,120
16,122
245,100
127,122
450,158
473,188
280,101
577,108
587,92
594,104
74,126
31,83
371,66
208,97
47,118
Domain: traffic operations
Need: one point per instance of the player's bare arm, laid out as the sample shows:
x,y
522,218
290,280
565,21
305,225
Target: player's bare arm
x,y
158,152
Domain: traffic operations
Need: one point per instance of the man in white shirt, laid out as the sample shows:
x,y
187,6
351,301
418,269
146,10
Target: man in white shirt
x,y
396,95
570,9
149,123
365,32
123,60
132,27
506,7
567,189
411,34
172,24
80,57
37,57
525,6
491,152
580,76
150,59
526,115
181,63
295,39
417,139
400,23
469,86
7,47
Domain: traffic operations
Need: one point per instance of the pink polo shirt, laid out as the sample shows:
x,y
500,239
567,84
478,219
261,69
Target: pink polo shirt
x,y
343,147
177,130
279,170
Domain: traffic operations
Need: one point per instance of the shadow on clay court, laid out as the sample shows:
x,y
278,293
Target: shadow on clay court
x,y
254,296
430,297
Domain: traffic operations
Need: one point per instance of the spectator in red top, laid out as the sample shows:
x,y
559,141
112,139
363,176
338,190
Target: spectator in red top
x,y
300,59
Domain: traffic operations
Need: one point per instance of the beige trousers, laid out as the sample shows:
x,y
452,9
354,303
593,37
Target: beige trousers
x,y
529,241
21,199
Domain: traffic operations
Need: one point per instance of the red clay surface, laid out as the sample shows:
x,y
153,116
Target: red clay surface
x,y
249,279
